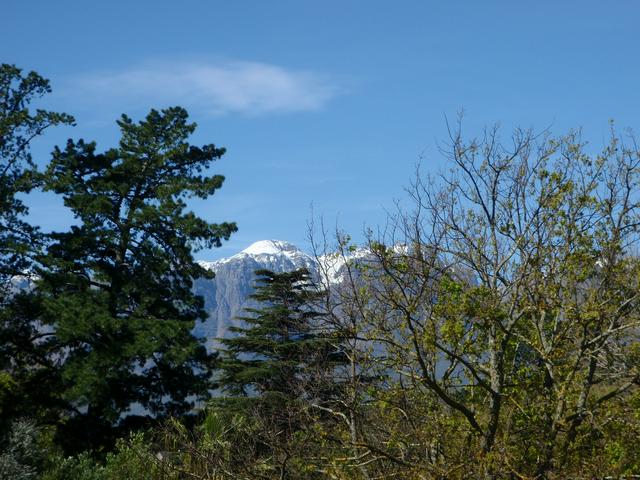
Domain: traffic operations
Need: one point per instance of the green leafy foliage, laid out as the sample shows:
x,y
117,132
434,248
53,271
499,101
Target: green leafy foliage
x,y
116,289
20,454
132,459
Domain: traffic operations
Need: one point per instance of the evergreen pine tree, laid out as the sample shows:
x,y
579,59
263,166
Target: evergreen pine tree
x,y
115,291
18,127
21,380
282,356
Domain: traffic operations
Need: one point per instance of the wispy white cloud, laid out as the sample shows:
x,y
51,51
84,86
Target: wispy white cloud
x,y
213,88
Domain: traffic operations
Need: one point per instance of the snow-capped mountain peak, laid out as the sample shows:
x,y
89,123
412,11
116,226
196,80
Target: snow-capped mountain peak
x,y
228,293
272,254
270,247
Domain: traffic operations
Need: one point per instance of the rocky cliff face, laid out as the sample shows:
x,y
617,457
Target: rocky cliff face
x,y
227,294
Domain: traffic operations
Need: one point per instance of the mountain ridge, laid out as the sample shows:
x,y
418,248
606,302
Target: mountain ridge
x,y
227,294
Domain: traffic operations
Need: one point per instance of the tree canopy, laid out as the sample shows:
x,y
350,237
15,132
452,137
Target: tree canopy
x,y
20,242
19,126
281,351
114,294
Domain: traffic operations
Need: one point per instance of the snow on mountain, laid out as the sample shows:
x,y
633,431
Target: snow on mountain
x,y
271,247
275,255
226,295
331,266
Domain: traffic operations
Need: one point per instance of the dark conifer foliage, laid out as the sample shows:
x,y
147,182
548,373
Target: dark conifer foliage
x,y
115,289
282,354
19,126
20,378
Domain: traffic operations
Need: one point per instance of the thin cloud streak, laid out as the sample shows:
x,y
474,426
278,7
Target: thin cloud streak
x,y
249,88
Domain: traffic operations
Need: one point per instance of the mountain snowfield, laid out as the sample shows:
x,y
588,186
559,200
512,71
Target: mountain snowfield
x,y
276,255
227,294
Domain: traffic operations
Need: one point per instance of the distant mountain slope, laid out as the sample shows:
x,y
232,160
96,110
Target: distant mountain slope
x,y
227,294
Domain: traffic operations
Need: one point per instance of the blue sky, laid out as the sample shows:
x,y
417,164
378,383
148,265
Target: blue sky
x,y
325,103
